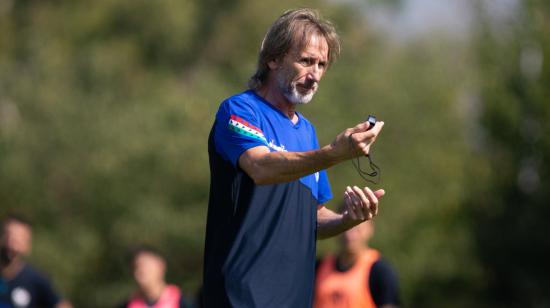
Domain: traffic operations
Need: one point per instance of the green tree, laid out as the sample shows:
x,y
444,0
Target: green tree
x,y
508,203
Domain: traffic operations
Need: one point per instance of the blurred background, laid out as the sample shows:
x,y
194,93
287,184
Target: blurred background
x,y
105,109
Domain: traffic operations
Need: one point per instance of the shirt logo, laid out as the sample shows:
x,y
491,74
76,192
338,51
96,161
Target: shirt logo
x,y
244,128
278,148
20,297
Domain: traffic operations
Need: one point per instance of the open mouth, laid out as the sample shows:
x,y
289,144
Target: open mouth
x,y
306,89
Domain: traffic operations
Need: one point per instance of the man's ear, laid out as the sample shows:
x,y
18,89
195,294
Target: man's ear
x,y
273,64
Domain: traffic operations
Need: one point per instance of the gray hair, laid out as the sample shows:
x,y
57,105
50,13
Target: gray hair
x,y
293,27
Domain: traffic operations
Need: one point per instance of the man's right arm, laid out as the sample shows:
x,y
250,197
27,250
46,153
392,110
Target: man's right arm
x,y
265,167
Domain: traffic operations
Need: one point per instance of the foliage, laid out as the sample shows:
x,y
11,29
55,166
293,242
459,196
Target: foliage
x,y
508,204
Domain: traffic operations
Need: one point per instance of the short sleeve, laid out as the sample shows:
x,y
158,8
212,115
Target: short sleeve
x,y
47,296
237,129
325,194
384,284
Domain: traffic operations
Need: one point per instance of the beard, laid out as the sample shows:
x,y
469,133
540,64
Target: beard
x,y
5,256
290,90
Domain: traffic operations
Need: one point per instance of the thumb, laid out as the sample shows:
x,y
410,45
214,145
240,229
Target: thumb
x,y
361,127
379,193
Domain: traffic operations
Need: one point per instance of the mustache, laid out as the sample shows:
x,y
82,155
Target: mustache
x,y
310,86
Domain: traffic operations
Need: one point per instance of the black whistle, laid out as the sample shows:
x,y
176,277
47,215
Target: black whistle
x,y
372,121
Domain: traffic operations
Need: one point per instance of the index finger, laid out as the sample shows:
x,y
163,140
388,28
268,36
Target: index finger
x,y
376,128
369,133
365,203
373,200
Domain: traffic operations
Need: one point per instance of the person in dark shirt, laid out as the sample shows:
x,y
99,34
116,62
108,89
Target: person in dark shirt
x,y
20,284
357,276
268,180
149,268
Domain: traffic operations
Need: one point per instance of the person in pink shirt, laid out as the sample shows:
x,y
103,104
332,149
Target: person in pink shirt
x,y
149,268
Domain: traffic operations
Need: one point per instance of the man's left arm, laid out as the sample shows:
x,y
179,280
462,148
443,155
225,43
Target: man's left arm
x,y
384,285
359,205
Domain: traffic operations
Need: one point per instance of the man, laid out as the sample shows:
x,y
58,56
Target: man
x,y
268,183
20,284
153,292
356,277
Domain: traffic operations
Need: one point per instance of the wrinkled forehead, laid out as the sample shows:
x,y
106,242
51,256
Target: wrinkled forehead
x,y
310,41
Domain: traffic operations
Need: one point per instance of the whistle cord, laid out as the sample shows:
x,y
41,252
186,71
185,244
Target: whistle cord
x,y
375,170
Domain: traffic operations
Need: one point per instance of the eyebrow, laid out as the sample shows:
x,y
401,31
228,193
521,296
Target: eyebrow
x,y
312,57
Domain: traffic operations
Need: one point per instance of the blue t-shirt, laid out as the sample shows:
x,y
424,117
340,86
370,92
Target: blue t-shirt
x,y
260,239
28,288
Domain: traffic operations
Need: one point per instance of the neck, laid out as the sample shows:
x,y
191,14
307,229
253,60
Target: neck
x,y
153,292
348,257
11,270
278,100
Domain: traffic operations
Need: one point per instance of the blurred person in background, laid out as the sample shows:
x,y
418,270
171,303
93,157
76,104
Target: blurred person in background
x,y
357,276
268,178
149,269
20,284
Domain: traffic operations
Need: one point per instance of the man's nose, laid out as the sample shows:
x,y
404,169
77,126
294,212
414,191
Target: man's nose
x,y
316,72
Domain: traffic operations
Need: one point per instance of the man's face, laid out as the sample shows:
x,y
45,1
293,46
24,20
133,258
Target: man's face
x,y
355,239
149,269
299,72
16,240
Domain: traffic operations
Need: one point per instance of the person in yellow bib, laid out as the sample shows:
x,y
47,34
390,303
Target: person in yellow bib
x,y
356,276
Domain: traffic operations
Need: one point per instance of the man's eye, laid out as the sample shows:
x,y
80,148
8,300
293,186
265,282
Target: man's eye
x,y
306,61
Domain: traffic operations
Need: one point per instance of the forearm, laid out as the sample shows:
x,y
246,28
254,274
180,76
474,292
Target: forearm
x,y
330,224
266,167
280,167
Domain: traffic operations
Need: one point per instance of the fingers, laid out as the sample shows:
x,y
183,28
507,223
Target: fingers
x,y
372,199
362,203
355,141
354,205
377,128
363,137
350,208
367,208
361,127
365,127
379,193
